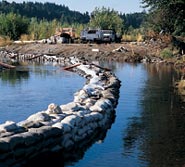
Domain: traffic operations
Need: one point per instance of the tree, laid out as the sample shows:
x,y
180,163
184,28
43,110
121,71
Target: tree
x,y
106,19
13,25
168,14
133,19
40,29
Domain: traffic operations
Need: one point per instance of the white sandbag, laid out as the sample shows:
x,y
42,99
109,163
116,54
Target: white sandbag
x,y
72,120
78,99
82,113
10,126
82,93
57,117
92,89
83,130
40,116
13,140
88,118
96,108
89,102
108,95
67,141
77,138
102,105
69,106
96,116
87,70
64,127
30,124
93,125
53,109
82,122
102,122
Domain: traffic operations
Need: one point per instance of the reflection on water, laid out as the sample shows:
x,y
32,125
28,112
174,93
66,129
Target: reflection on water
x,y
148,130
14,76
158,131
30,89
72,156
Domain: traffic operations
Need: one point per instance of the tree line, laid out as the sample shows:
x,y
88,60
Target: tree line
x,y
40,20
48,11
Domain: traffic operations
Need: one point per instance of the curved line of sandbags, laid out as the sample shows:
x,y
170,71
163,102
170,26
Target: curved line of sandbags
x,y
61,127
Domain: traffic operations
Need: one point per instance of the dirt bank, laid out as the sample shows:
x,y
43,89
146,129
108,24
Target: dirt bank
x,y
129,52
122,52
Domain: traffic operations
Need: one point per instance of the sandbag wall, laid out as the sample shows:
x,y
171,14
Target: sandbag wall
x,y
62,127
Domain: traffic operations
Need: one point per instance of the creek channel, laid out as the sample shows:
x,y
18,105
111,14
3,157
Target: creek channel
x,y
149,124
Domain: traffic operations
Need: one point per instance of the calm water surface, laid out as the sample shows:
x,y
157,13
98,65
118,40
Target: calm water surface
x,y
32,88
149,128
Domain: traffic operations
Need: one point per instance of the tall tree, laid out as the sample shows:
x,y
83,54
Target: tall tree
x,y
106,19
13,25
168,14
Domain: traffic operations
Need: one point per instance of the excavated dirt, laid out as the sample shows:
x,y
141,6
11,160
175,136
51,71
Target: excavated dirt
x,y
129,52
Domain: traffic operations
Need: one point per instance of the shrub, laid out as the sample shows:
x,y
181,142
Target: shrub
x,y
13,25
139,38
166,53
4,41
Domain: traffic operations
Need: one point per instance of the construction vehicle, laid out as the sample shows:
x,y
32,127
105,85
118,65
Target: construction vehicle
x,y
65,35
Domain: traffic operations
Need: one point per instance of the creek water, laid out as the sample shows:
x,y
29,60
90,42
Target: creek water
x,y
148,130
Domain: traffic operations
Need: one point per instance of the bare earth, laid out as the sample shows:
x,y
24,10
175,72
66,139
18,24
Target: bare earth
x,y
129,52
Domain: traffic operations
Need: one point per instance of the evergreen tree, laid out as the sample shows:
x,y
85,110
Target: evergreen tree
x,y
134,20
48,11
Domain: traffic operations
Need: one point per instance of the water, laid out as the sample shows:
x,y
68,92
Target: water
x,y
148,130
32,88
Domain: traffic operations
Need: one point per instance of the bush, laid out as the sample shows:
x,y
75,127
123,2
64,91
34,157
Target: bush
x,y
166,53
13,25
132,37
4,41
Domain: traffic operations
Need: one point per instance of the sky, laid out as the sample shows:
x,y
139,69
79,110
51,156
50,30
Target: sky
x,y
124,6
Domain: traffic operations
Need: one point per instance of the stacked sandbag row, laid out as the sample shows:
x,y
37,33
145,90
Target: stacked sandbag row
x,y
63,127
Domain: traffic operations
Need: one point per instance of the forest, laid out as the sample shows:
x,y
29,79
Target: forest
x,y
34,20
47,11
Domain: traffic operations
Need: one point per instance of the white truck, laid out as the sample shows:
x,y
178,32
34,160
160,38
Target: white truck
x,y
97,36
108,36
